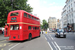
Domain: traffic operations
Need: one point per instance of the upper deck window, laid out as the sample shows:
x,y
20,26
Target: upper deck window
x,y
29,16
32,17
35,18
25,15
14,14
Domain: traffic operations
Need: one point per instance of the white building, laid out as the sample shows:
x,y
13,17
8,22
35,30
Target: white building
x,y
64,17
68,14
59,24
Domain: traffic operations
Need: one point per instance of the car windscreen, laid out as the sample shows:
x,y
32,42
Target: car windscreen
x,y
61,30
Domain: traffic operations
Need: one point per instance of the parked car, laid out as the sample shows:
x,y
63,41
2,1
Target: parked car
x,y
60,33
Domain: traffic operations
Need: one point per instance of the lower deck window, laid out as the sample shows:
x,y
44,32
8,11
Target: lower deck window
x,y
14,27
29,27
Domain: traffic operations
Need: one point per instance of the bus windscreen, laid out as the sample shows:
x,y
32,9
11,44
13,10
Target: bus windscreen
x,y
14,14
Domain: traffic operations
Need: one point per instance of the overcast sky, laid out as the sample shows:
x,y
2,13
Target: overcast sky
x,y
47,8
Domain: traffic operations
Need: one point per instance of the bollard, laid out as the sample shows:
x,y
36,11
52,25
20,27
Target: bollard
x,y
46,32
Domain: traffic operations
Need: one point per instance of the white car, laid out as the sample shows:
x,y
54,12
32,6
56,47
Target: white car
x,y
60,33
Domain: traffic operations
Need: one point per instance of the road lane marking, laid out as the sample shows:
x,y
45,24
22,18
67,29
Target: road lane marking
x,y
10,44
57,45
14,46
0,45
2,49
54,45
50,45
2,40
51,37
4,44
45,38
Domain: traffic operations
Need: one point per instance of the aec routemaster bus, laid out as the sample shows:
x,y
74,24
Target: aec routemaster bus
x,y
22,25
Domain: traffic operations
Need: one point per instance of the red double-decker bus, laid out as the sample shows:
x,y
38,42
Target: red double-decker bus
x,y
22,25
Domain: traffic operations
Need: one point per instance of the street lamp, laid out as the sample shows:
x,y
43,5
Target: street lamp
x,y
12,4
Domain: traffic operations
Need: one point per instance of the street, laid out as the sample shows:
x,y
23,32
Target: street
x,y
47,41
67,43
38,43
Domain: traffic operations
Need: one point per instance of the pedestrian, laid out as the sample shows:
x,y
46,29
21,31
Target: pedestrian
x,y
42,32
3,32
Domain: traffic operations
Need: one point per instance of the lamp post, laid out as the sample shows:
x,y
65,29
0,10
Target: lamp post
x,y
12,4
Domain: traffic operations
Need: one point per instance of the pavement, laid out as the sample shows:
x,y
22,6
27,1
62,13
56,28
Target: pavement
x,y
2,37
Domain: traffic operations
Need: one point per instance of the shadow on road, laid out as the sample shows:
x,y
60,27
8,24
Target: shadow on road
x,y
22,41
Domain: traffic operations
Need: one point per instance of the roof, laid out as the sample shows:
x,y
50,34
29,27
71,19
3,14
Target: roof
x,y
24,11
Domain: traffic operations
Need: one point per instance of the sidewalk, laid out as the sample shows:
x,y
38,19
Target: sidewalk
x,y
2,37
70,32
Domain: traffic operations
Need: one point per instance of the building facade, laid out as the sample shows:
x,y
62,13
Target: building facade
x,y
59,24
68,15
52,23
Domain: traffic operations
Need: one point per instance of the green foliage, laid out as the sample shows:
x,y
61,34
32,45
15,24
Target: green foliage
x,y
6,7
44,25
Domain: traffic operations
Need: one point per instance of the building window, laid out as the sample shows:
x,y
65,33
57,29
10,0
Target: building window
x,y
72,20
71,5
72,15
74,3
71,9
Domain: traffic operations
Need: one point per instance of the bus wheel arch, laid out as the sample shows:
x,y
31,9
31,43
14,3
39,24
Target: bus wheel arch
x,y
30,36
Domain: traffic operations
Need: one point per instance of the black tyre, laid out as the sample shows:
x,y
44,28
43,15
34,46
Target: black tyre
x,y
30,37
55,36
64,36
39,35
58,36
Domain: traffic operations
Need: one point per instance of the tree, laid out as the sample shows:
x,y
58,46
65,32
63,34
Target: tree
x,y
6,7
44,24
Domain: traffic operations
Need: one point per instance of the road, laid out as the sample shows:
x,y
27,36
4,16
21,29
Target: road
x,y
38,43
67,43
47,41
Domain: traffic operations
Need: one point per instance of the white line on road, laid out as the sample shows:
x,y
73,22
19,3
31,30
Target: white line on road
x,y
57,45
51,37
54,45
50,45
14,46
45,38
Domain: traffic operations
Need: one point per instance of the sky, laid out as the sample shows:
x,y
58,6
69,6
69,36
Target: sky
x,y
47,8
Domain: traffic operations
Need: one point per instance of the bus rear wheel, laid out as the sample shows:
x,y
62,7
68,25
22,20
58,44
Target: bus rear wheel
x,y
30,37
